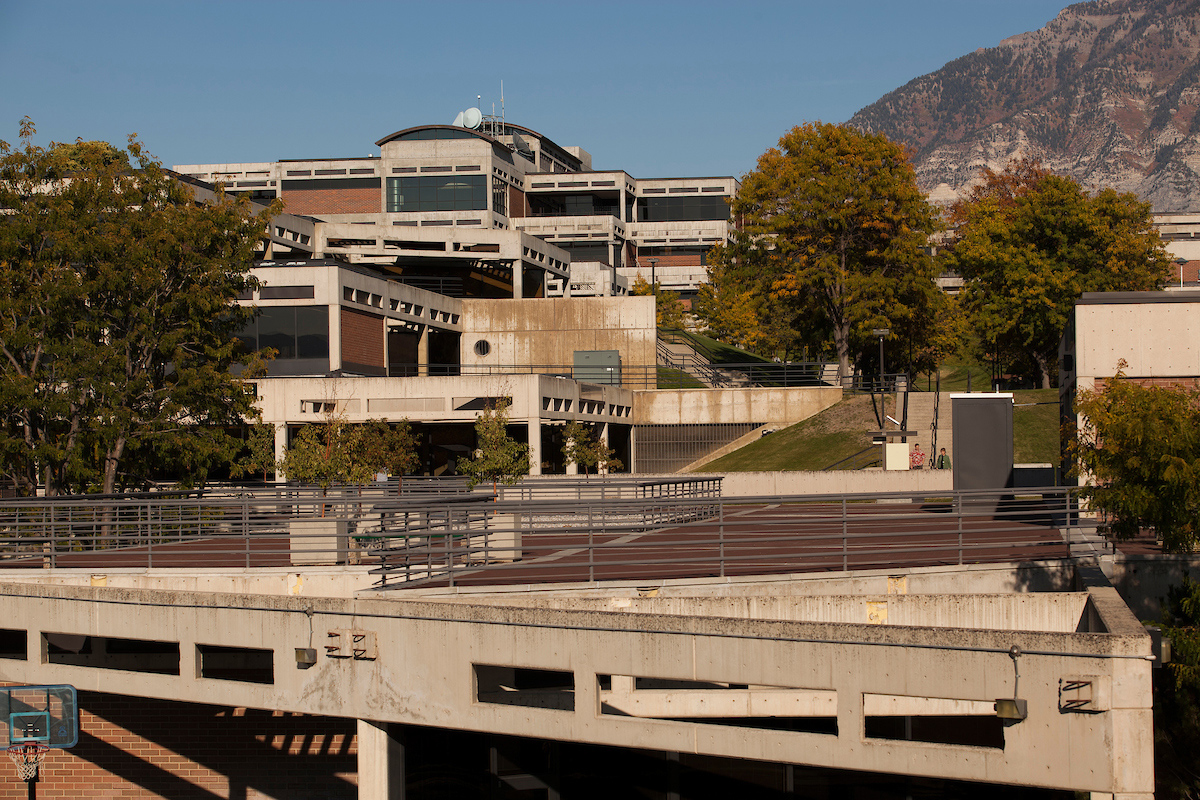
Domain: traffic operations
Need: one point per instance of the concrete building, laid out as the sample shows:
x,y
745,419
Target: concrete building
x,y
454,209
1152,332
444,274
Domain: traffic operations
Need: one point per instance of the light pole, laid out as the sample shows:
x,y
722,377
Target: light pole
x,y
881,333
653,280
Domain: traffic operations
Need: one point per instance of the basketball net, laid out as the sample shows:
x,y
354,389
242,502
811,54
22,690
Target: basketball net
x,y
28,758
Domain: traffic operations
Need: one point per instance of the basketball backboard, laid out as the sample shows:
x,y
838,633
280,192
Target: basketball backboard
x,y
47,715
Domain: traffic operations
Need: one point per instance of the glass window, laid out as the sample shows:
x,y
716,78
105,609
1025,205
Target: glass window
x,y
277,329
682,209
312,332
294,331
437,193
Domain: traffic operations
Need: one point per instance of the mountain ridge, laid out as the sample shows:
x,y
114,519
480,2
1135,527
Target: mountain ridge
x,y
1107,92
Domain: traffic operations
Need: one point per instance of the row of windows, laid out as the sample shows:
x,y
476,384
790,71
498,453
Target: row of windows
x,y
437,193
682,209
295,332
574,205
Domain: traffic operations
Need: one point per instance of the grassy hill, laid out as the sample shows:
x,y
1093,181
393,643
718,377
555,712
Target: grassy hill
x,y
816,443
840,431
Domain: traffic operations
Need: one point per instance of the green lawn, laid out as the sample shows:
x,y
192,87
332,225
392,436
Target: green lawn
x,y
669,378
956,378
717,352
1035,426
814,444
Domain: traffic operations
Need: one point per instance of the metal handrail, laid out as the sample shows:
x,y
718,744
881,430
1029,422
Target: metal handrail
x,y
576,529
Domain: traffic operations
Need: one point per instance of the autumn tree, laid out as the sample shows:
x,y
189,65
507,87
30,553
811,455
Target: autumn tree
x,y
1138,447
337,451
581,446
834,222
1028,243
736,305
118,316
498,457
668,308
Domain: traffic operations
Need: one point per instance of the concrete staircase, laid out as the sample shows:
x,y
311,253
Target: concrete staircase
x,y
921,420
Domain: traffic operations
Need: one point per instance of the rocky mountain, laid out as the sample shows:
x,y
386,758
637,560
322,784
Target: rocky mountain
x,y
1108,92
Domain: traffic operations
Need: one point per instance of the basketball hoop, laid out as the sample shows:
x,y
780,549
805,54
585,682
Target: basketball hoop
x,y
28,758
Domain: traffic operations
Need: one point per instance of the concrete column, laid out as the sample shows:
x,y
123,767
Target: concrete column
x,y
535,446
280,449
603,436
518,275
572,467
380,763
423,352
335,337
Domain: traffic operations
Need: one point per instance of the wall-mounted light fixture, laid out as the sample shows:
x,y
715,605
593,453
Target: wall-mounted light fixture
x,y
1012,710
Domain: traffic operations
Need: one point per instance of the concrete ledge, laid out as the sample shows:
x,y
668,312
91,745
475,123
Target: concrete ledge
x,y
776,484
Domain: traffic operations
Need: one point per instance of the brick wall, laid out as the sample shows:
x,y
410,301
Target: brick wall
x,y
683,260
1166,382
137,748
362,341
518,206
333,201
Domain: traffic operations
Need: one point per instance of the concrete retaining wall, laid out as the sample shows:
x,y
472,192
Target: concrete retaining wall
x,y
711,406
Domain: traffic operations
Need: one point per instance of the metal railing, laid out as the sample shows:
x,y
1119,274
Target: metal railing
x,y
544,542
546,531
274,525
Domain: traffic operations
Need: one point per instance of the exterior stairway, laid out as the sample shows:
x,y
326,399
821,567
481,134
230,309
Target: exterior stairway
x,y
921,407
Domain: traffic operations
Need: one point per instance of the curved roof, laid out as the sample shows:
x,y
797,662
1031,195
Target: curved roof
x,y
463,133
401,134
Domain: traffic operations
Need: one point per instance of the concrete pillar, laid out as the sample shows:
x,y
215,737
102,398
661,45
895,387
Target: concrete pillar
x,y
380,763
518,275
535,446
603,436
335,337
280,449
423,352
572,467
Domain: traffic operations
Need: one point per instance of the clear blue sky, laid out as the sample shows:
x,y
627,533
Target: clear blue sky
x,y
655,88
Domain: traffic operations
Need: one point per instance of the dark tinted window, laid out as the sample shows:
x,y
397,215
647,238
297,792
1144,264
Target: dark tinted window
x,y
437,193
681,209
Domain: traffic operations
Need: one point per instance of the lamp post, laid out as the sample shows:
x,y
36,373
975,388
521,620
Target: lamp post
x,y
653,280
881,333
1181,261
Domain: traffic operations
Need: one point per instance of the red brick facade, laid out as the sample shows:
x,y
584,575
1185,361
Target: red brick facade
x,y
681,260
333,201
362,339
141,749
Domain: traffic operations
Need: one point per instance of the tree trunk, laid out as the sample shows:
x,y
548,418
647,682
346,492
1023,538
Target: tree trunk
x,y
1044,366
112,460
841,340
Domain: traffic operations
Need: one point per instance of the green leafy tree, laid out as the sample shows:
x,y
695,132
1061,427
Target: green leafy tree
x,y
668,308
584,448
833,219
337,451
118,316
736,306
1177,697
1139,447
498,457
1028,243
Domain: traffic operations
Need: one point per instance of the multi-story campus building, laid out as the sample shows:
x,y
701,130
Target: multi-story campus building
x,y
462,265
